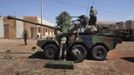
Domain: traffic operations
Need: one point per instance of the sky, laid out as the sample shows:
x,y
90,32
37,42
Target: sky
x,y
109,10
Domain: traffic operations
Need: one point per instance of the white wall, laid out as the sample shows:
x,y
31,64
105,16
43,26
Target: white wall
x,y
1,28
46,23
19,28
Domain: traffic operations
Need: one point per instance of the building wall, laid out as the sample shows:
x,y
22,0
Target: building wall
x,y
46,31
1,28
129,24
34,32
31,28
9,28
121,25
19,28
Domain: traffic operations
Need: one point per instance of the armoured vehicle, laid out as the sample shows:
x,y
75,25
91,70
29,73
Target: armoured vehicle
x,y
78,43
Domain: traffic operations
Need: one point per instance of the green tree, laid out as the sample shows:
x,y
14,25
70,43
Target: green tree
x,y
63,21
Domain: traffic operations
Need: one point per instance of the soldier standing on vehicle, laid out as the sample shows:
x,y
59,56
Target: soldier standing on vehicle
x,y
25,36
93,17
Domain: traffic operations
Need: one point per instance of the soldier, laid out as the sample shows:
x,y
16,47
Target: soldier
x,y
25,36
93,18
82,20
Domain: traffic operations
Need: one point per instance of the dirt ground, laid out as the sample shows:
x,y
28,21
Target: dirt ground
x,y
18,59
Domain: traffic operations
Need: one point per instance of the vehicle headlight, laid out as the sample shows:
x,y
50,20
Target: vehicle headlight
x,y
63,40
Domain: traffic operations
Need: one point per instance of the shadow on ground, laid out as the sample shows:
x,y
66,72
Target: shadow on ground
x,y
130,59
38,54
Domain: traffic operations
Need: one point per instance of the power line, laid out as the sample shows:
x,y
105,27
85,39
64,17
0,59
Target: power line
x,y
60,1
105,11
111,12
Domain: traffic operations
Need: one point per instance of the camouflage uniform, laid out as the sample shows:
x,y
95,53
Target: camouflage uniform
x,y
93,18
64,39
25,36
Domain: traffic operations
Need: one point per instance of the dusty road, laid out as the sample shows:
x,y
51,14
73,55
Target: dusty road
x,y
15,60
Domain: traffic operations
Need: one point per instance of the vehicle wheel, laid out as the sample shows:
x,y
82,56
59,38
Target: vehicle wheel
x,y
51,51
99,53
78,53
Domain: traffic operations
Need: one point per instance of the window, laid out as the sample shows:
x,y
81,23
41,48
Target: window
x,y
44,31
39,29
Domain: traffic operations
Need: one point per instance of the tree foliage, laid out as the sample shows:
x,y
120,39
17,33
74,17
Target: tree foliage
x,y
63,19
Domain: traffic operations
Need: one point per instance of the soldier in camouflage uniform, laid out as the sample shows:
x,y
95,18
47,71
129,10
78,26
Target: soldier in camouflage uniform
x,y
25,36
93,17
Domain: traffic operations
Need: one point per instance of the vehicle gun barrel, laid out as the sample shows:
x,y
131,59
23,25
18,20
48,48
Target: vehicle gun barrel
x,y
39,24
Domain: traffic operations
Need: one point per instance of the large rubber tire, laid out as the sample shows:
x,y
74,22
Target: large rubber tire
x,y
51,51
80,53
99,52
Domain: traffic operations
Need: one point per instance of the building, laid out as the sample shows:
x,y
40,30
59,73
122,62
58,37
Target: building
x,y
120,25
129,24
126,27
12,29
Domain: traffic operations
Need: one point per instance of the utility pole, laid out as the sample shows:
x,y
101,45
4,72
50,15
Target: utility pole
x,y
42,4
41,28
